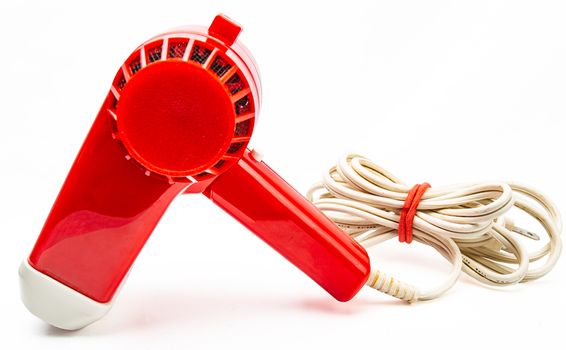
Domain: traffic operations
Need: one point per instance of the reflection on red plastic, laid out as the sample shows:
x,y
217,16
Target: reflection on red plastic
x,y
102,217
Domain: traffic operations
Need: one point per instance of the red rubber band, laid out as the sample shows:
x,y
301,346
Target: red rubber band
x,y
409,211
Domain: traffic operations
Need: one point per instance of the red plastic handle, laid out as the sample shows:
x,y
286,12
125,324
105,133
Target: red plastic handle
x,y
267,205
105,212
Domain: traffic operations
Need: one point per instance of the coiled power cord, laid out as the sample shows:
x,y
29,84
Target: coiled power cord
x,y
467,224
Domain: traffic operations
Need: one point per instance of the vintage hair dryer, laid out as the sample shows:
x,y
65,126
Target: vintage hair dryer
x,y
177,119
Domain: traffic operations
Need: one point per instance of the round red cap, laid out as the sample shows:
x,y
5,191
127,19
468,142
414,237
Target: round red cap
x,y
175,118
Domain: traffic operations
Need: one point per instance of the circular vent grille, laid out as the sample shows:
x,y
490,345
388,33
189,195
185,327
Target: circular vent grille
x,y
215,61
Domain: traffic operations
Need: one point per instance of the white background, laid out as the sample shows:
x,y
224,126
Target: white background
x,y
436,91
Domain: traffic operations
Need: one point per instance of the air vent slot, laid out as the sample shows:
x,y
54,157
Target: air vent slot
x,y
121,82
235,147
154,53
177,48
242,128
243,105
135,65
235,84
219,163
219,66
200,54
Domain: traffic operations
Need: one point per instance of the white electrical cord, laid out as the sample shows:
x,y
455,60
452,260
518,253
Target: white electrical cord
x,y
465,223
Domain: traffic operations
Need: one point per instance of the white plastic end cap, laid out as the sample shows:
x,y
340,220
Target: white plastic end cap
x,y
55,303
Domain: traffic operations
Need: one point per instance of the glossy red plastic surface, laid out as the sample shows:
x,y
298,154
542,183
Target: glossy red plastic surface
x,y
102,217
224,28
177,120
263,202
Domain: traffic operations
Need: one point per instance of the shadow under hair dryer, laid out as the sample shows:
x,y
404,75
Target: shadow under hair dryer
x,y
177,119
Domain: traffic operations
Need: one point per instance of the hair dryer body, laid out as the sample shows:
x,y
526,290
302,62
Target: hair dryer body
x,y
177,119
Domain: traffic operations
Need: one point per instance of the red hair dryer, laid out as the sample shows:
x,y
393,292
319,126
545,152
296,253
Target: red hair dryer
x,y
177,119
